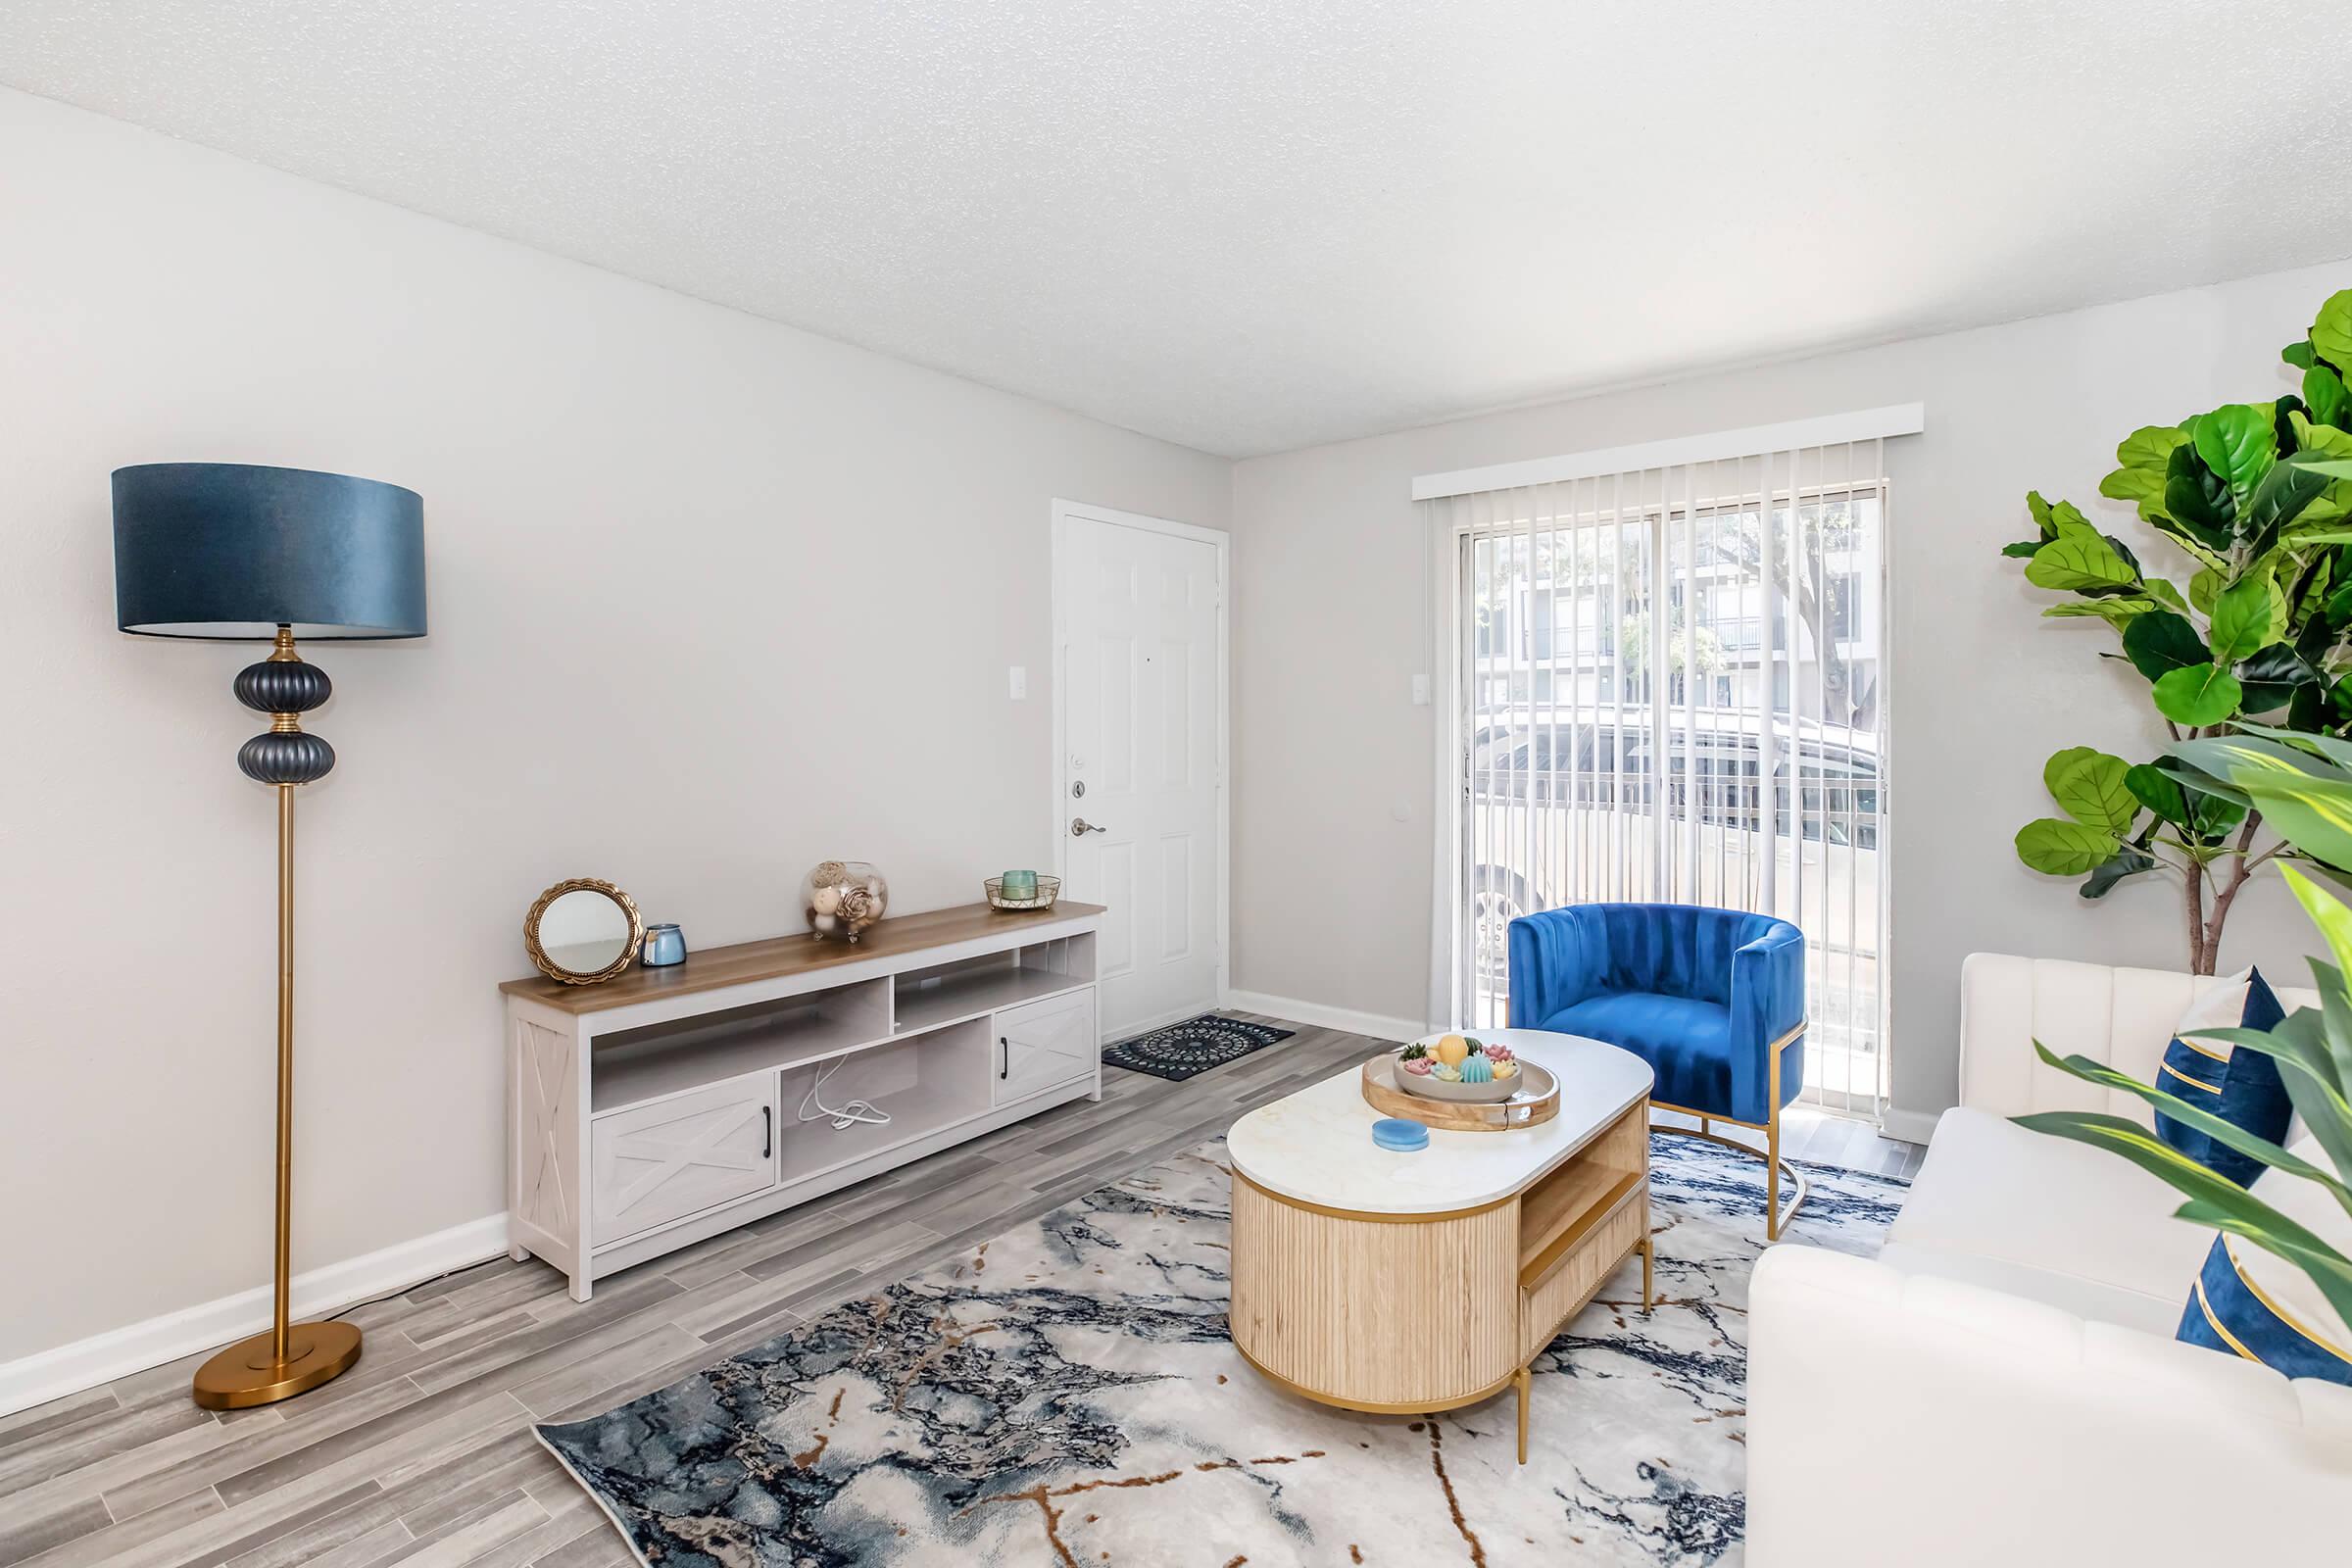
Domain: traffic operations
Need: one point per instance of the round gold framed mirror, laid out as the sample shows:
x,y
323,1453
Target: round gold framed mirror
x,y
583,931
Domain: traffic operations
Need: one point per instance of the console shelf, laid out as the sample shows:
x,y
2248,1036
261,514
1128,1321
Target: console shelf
x,y
670,1105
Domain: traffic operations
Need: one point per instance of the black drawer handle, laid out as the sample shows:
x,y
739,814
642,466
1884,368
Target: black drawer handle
x,y
1004,1071
768,1132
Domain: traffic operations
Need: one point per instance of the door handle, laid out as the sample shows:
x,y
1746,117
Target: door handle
x,y
1080,827
768,1132
1004,1054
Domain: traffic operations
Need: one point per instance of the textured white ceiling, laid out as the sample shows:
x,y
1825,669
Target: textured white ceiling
x,y
1255,224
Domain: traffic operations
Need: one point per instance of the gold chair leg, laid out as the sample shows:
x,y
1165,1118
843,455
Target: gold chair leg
x,y
1526,1392
1774,1220
1649,1257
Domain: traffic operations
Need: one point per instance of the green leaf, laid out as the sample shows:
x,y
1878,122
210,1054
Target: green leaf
x,y
2299,355
2150,446
2166,595
2023,550
2124,862
2285,495
2323,1265
2203,589
2135,485
2245,618
2327,912
2244,1213
2161,641
2298,1046
2306,800
2080,560
2199,500
2222,1130
2119,610
2239,443
2323,391
2320,440
2089,786
2159,792
2331,330
2059,848
2335,748
2197,695
2272,675
2196,782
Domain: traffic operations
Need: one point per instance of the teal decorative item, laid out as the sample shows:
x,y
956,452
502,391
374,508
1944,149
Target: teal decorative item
x,y
1476,1069
1038,892
665,944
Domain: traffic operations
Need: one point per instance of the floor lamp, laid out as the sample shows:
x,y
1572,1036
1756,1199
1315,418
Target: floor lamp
x,y
227,552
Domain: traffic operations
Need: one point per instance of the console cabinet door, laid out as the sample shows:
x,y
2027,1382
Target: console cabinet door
x,y
1045,1044
662,1161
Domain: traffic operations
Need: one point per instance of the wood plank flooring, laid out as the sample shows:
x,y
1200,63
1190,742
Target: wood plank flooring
x,y
421,1454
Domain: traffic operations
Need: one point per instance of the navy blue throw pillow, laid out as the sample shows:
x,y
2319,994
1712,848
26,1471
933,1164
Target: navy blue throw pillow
x,y
2241,1087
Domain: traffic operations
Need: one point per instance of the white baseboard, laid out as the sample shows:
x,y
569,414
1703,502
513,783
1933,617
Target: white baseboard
x,y
1315,1013
101,1357
1911,1126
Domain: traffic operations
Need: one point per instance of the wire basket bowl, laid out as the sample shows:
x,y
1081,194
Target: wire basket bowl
x,y
1048,888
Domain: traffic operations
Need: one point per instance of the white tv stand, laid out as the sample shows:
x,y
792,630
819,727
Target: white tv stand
x,y
666,1104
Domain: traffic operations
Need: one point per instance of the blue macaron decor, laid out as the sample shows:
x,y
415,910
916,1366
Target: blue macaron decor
x,y
1395,1132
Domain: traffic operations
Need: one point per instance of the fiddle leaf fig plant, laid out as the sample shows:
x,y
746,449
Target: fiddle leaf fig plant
x,y
2302,784
2256,497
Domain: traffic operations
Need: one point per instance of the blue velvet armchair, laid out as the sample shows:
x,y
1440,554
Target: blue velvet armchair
x,y
1713,1000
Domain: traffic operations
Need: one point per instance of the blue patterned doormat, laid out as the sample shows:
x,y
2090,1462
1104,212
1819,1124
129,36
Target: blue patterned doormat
x,y
1065,1393
1188,1048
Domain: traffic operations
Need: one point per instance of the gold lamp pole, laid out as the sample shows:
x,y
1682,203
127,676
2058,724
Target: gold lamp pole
x,y
236,551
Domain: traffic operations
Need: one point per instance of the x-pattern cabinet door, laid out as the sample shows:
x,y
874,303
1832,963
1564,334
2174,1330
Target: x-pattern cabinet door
x,y
677,1156
1045,1044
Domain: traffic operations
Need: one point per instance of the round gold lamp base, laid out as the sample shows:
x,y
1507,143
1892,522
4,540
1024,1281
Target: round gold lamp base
x,y
246,1373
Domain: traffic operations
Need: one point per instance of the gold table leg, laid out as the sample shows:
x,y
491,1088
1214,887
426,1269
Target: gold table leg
x,y
1527,1389
1649,1256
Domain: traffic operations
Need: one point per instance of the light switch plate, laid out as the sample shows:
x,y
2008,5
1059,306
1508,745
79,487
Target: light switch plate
x,y
1020,683
1420,691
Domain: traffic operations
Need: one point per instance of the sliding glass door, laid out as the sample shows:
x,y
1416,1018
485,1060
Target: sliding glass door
x,y
1670,686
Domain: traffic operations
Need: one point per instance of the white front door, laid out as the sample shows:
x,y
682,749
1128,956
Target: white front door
x,y
1142,766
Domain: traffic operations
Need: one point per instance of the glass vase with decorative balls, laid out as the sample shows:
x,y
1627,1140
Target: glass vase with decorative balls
x,y
842,898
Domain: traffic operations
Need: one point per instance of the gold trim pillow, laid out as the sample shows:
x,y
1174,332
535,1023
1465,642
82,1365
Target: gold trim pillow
x,y
2241,1087
2256,1304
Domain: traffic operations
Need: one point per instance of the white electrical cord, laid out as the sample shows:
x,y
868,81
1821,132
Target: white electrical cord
x,y
850,1115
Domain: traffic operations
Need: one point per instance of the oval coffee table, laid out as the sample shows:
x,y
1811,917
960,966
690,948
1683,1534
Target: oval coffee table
x,y
1399,1283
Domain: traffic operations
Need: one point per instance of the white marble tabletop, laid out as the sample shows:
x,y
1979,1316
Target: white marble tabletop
x,y
1317,1144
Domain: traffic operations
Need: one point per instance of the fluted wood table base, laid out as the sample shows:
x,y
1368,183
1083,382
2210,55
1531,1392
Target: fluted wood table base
x,y
1397,1314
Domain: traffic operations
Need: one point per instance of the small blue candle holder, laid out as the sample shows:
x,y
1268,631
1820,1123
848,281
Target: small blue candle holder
x,y
665,944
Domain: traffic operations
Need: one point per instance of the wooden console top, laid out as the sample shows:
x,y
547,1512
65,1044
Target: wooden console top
x,y
747,962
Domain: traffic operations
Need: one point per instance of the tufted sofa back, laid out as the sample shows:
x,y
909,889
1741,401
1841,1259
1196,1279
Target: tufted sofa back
x,y
2123,1017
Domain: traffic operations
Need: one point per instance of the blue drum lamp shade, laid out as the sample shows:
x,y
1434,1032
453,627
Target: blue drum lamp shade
x,y
226,549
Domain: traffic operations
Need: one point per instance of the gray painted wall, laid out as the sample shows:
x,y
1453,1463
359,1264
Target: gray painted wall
x,y
711,599
1332,820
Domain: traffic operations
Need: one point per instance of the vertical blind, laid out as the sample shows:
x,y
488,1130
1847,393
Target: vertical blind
x,y
1670,685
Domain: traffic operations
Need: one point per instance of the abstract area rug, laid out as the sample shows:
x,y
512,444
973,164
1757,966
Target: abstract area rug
x,y
1188,1048
1066,1395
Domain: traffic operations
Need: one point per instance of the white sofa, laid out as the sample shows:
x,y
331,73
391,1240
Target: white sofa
x,y
2001,1385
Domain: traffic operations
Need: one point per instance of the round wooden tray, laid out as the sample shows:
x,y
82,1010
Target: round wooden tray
x,y
1537,1100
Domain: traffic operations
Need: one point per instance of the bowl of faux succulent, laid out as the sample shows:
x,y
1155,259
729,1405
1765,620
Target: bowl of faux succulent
x,y
1459,1067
